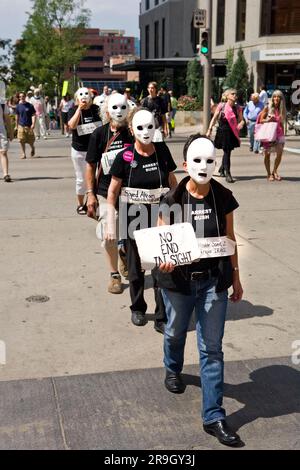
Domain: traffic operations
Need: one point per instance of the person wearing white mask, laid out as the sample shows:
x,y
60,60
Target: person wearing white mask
x,y
144,171
201,286
82,120
105,143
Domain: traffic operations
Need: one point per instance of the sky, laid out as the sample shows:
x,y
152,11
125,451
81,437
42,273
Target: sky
x,y
106,14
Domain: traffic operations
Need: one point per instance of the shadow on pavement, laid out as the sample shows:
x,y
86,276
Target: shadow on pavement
x,y
39,178
272,391
244,309
250,178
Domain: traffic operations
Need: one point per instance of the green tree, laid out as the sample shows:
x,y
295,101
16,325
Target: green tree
x,y
239,77
5,55
194,80
230,60
50,45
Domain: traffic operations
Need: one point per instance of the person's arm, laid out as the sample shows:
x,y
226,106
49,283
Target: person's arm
x,y
165,125
17,119
112,196
263,117
92,202
74,121
245,114
241,121
172,180
33,121
8,126
213,121
237,294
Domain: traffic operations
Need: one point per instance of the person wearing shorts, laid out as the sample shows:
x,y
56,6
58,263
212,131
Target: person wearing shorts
x,y
25,122
4,136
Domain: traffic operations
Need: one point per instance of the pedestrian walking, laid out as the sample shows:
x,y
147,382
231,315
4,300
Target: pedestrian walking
x,y
40,111
65,106
158,107
230,118
141,167
6,134
82,121
25,122
276,112
251,113
201,286
104,145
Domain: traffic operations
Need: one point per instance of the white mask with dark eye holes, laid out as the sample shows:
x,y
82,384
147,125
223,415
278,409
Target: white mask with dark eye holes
x,y
83,95
201,160
117,107
143,126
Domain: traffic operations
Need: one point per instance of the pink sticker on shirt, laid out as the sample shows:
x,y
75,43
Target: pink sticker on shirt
x,y
128,156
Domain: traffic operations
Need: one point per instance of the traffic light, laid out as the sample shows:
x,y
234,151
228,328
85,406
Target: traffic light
x,y
204,48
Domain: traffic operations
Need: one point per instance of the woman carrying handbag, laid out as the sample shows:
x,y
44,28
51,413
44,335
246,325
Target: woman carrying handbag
x,y
275,113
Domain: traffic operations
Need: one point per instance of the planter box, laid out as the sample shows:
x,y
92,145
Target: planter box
x,y
188,118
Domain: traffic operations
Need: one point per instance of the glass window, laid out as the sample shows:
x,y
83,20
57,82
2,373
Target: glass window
x,y
220,22
280,17
147,4
147,40
241,20
156,2
163,34
156,39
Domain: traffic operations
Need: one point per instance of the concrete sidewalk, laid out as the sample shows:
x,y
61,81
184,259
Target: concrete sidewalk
x,y
78,374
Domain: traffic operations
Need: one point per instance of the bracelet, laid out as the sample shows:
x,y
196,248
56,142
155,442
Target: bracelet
x,y
235,268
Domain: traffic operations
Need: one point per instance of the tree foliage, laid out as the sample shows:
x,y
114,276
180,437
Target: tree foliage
x,y
50,44
194,80
238,76
5,56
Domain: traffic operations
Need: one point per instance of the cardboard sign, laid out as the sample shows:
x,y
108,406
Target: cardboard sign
x,y
108,159
174,244
215,247
142,196
65,88
86,129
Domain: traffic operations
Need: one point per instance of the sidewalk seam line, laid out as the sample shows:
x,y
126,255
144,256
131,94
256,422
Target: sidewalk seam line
x,y
60,416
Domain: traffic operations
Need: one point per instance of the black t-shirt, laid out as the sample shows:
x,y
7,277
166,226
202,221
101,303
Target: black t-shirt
x,y
81,142
98,145
149,173
201,213
157,106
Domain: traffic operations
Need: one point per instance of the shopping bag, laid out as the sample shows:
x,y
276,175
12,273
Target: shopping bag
x,y
266,132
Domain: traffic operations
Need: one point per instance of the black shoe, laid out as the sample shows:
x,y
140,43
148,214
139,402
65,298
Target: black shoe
x,y
223,433
229,178
138,319
251,149
159,326
221,172
174,383
256,151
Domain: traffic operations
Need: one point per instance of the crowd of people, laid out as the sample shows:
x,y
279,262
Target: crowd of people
x,y
118,150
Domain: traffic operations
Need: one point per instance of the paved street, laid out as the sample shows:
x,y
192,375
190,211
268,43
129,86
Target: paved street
x,y
79,375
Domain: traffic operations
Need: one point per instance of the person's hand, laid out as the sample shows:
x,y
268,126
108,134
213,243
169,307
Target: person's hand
x,y
92,204
167,267
110,233
32,126
240,125
237,294
208,133
82,105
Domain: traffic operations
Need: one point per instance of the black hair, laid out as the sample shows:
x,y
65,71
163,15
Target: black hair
x,y
190,140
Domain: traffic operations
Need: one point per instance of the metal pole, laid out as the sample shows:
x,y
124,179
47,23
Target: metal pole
x,y
206,61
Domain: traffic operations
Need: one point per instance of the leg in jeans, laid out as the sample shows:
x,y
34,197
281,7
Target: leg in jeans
x,y
179,309
210,316
251,127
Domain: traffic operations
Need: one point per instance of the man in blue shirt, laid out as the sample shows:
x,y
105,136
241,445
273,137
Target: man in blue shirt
x,y
251,113
25,122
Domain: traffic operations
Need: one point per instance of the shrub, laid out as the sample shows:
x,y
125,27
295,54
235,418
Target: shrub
x,y
187,103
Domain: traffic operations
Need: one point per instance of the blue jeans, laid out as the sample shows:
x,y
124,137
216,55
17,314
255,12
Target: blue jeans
x,y
254,144
210,309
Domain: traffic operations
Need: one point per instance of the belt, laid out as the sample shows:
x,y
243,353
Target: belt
x,y
204,275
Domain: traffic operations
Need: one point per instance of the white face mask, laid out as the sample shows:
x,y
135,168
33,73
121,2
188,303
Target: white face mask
x,y
143,126
83,95
118,107
201,160
99,101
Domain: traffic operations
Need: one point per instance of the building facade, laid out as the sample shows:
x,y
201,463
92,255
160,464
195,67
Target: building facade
x,y
269,33
115,43
267,30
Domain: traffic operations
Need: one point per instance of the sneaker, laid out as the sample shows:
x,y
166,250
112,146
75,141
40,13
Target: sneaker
x,y
23,157
138,319
66,135
7,179
115,284
123,264
45,137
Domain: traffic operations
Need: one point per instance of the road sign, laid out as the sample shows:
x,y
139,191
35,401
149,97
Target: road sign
x,y
199,18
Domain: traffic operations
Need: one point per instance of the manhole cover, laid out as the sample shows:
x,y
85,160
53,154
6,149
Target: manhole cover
x,y
38,298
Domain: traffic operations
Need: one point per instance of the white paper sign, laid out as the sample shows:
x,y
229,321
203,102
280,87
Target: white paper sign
x,y
215,247
142,196
158,137
86,129
176,244
108,159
